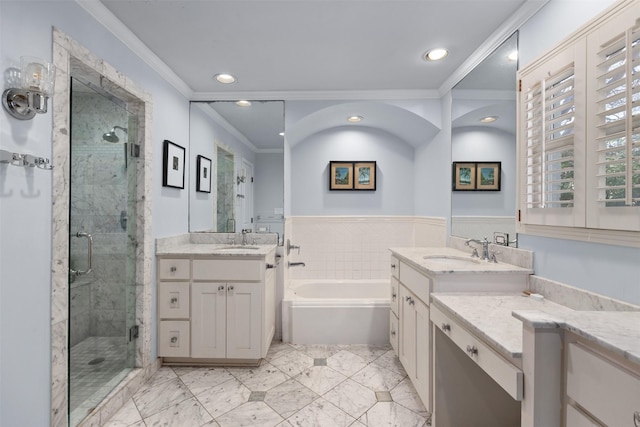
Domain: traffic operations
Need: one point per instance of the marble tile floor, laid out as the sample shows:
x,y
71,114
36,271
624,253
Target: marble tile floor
x,y
97,365
296,385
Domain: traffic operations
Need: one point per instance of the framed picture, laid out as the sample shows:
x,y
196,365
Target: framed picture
x,y
203,179
364,176
173,165
340,176
464,176
488,176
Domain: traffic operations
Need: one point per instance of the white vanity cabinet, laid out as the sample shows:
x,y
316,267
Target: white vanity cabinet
x,y
601,389
216,309
413,278
409,325
394,299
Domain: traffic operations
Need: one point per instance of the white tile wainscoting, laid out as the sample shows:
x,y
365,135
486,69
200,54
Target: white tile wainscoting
x,y
356,247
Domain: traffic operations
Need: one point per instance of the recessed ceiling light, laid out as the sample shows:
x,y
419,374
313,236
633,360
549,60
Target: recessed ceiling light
x,y
243,103
513,56
225,78
436,54
281,134
488,119
354,119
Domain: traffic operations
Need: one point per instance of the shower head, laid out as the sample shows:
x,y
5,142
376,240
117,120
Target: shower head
x,y
111,135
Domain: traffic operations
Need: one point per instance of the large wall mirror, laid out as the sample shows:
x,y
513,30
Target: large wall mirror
x,y
243,144
484,130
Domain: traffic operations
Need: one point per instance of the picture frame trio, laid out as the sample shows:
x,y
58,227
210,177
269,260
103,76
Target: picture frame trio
x,y
352,176
476,176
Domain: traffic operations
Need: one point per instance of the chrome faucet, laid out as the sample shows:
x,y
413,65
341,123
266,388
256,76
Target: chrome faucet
x,y
485,248
244,237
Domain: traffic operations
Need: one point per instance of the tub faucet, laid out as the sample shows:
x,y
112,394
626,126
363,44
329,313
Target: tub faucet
x,y
296,264
485,248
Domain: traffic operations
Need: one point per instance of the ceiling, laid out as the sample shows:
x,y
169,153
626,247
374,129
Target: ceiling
x,y
316,49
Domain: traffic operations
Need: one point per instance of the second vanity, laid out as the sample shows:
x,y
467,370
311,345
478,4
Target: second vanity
x,y
418,272
216,302
482,352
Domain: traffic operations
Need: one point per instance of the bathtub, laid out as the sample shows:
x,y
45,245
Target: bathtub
x,y
336,312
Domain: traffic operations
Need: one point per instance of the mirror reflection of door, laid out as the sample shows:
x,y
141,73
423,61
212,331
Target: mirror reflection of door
x,y
225,191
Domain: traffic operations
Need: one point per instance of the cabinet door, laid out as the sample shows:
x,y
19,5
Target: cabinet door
x,y
407,331
244,314
208,319
423,353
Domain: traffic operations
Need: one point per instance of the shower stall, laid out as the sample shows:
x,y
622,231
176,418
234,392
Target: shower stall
x,y
102,246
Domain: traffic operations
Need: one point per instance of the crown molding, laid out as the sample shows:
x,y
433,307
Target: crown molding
x,y
317,95
206,109
502,33
104,16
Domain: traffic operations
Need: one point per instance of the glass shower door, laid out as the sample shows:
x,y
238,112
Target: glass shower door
x,y
102,245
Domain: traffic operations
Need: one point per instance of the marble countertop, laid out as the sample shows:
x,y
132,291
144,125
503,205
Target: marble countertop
x,y
617,331
489,316
222,250
445,260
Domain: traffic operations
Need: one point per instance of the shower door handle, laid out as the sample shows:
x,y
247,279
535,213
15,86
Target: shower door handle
x,y
89,254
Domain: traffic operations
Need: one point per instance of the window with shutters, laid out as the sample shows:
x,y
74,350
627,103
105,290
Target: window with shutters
x,y
549,135
579,134
614,54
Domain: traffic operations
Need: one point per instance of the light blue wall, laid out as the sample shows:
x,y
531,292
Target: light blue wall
x,y
26,198
432,165
608,270
310,159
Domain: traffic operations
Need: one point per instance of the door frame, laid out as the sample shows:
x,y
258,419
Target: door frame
x,y
70,57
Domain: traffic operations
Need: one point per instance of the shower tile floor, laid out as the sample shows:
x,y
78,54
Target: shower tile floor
x,y
296,385
89,381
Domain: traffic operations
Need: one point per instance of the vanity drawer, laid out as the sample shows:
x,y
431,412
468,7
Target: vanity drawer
x,y
228,269
417,283
173,338
173,269
395,267
609,392
394,297
575,418
173,300
394,332
509,377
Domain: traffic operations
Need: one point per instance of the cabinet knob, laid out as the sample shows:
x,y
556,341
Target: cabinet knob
x,y
393,296
174,340
393,266
174,300
636,418
268,266
231,288
446,327
412,302
407,299
221,288
393,333
472,350
173,269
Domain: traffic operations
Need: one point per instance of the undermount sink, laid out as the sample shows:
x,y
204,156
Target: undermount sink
x,y
238,248
451,260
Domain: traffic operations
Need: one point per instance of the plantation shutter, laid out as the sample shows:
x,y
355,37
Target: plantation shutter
x,y
548,144
614,165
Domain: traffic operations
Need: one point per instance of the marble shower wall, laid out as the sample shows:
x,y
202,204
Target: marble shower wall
x,y
99,202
